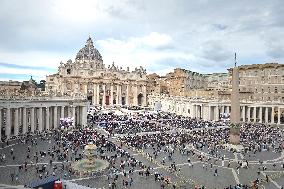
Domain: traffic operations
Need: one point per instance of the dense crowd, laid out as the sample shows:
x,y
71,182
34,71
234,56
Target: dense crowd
x,y
177,135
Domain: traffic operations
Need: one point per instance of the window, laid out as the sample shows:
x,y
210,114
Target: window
x,y
188,111
68,71
276,90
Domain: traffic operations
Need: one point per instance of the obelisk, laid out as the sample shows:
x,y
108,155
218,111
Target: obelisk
x,y
235,106
235,100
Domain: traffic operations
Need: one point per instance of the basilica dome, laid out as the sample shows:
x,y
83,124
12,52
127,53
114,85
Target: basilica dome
x,y
89,52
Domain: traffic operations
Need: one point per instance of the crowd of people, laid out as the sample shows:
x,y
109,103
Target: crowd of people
x,y
191,139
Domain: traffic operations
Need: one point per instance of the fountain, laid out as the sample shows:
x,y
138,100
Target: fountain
x,y
90,164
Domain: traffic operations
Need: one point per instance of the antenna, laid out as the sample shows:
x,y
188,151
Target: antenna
x,y
235,59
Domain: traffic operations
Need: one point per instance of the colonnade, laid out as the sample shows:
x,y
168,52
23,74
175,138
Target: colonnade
x,y
248,113
30,119
256,112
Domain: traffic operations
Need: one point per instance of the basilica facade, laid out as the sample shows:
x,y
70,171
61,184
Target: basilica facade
x,y
102,85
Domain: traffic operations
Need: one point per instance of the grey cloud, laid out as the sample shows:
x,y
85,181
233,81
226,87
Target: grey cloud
x,y
215,51
276,50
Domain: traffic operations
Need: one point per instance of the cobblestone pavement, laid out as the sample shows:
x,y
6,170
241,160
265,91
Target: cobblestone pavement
x,y
200,173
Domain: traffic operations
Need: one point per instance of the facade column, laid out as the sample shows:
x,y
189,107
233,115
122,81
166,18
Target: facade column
x,y
272,114
244,113
117,94
135,95
94,93
8,123
32,112
98,93
104,95
16,122
260,115
111,95
84,116
47,118
248,114
127,95
254,114
62,112
193,111
216,113
74,115
222,109
55,118
86,89
24,120
209,113
197,111
144,90
279,114
266,115
226,109
40,119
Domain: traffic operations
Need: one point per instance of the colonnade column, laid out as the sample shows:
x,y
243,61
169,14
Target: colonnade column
x,y
272,114
16,122
32,112
104,95
266,115
55,118
40,119
24,120
111,95
47,116
8,123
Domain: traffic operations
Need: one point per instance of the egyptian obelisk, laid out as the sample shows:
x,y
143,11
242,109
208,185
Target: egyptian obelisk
x,y
235,95
235,106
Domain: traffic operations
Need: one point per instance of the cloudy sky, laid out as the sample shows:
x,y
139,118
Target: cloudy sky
x,y
160,35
